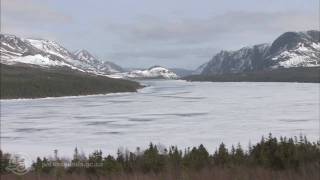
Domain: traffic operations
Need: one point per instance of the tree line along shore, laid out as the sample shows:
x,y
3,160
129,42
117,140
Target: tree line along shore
x,y
31,82
271,158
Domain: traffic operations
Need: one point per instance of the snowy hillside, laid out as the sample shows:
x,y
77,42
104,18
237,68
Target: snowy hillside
x,y
13,47
50,47
296,49
46,53
300,56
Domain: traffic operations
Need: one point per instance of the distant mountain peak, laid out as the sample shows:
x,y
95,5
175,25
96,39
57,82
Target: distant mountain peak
x,y
84,55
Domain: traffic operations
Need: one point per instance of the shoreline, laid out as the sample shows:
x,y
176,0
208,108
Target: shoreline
x,y
143,86
71,97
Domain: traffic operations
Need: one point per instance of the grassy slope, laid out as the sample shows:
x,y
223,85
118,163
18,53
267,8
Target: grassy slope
x,y
311,75
31,82
216,173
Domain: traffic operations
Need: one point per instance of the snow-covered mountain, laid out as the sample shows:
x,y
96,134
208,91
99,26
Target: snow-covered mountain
x,y
15,50
155,72
291,49
46,53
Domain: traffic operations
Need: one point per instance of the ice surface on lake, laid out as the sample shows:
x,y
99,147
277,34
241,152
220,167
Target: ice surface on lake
x,y
170,112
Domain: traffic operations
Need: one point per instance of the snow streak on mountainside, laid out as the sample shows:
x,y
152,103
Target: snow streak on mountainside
x,y
291,49
15,50
300,56
12,47
50,47
46,53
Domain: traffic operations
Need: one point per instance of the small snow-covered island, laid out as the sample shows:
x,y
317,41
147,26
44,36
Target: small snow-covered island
x,y
154,72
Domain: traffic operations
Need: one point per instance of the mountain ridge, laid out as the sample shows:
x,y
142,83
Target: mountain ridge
x,y
291,49
48,53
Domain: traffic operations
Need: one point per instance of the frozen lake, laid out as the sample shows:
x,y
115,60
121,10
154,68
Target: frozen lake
x,y
167,112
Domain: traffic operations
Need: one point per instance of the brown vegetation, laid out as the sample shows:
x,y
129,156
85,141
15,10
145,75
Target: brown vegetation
x,y
310,172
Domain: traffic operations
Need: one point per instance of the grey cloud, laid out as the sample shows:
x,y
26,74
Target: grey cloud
x,y
165,53
152,39
29,18
136,39
183,57
26,11
188,30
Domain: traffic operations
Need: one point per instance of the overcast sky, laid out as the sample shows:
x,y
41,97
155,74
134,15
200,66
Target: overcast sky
x,y
172,33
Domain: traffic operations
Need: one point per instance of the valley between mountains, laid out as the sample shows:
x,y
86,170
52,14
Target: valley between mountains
x,y
32,68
